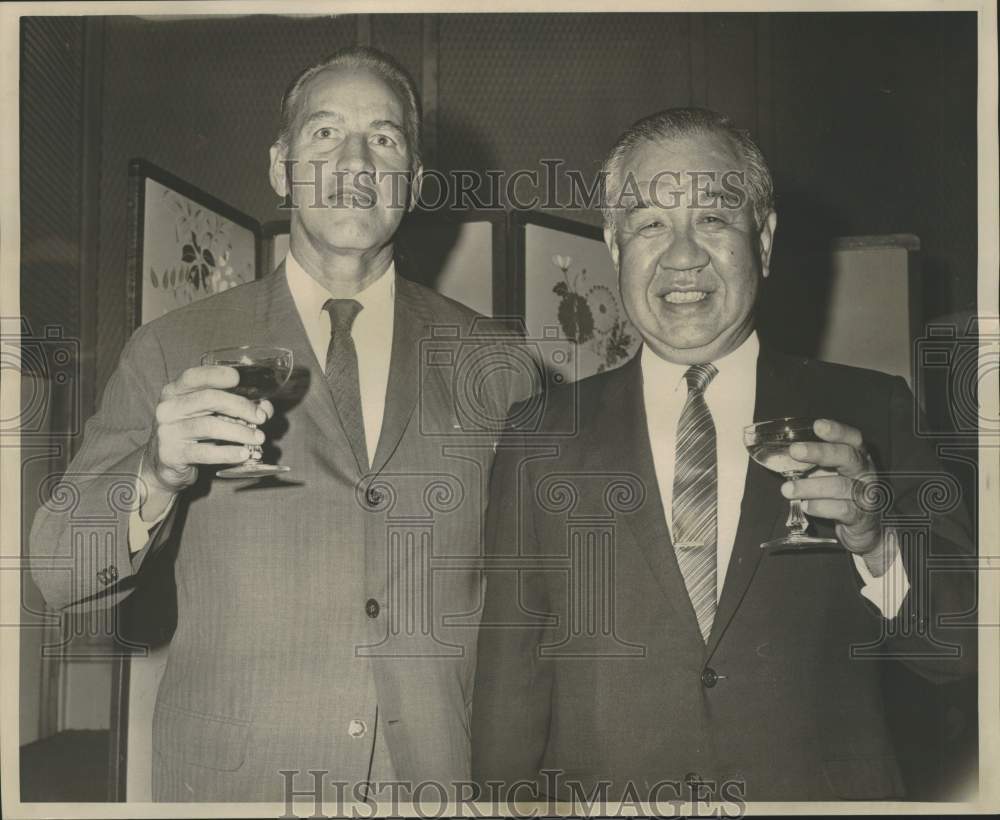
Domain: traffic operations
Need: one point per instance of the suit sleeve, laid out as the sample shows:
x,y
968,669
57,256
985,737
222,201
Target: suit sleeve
x,y
510,713
925,634
79,548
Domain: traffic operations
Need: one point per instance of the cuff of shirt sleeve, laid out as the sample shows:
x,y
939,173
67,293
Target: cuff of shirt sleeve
x,y
139,530
887,591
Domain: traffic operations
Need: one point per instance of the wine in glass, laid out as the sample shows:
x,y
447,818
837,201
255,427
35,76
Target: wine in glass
x,y
263,372
768,443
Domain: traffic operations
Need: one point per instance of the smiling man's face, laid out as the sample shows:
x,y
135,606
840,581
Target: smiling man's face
x,y
690,258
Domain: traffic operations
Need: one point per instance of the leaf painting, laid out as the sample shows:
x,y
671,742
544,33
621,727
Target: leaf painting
x,y
190,252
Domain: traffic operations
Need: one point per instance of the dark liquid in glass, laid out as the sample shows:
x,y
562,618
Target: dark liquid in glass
x,y
258,381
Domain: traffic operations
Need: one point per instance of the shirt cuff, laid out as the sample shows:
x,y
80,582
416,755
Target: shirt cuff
x,y
887,591
139,530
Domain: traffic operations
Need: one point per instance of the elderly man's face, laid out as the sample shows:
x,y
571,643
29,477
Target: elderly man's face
x,y
689,261
350,126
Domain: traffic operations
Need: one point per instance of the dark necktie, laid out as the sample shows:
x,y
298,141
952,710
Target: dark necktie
x,y
696,496
342,373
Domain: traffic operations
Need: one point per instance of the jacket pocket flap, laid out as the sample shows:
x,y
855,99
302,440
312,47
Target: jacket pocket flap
x,y
211,741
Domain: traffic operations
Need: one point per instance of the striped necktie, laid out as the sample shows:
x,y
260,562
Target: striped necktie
x,y
342,373
696,496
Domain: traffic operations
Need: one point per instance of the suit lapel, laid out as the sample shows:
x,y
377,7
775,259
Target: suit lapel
x,y
411,320
764,509
622,433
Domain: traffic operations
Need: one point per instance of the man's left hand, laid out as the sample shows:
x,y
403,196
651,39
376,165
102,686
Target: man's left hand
x,y
835,495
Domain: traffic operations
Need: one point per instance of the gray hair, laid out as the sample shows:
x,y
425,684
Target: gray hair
x,y
365,58
683,122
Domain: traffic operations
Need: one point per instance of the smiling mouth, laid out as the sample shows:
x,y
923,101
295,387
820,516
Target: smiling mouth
x,y
685,297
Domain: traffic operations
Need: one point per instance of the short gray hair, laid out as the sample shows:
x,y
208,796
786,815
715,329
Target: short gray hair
x,y
683,122
365,58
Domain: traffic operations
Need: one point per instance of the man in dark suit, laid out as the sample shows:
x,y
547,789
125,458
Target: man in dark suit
x,y
311,646
636,639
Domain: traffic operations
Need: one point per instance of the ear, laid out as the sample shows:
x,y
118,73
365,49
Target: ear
x,y
766,242
276,172
418,178
611,240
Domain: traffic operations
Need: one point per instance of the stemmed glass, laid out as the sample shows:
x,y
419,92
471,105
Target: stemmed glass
x,y
768,443
263,372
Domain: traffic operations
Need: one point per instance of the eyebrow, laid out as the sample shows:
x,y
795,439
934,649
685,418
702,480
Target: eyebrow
x,y
322,115
336,116
387,124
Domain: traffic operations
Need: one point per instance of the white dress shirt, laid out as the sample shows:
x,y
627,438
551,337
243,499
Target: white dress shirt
x,y
372,334
730,397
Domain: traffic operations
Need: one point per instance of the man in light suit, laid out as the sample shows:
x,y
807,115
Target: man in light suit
x,y
311,635
696,665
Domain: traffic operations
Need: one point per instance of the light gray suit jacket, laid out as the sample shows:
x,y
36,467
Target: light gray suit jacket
x,y
278,646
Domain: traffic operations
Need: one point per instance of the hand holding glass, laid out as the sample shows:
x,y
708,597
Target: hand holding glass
x,y
263,372
768,443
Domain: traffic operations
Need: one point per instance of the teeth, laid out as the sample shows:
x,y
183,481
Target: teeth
x,y
681,297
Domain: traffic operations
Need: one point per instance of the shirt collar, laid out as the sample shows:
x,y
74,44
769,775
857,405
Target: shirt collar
x,y
311,295
737,364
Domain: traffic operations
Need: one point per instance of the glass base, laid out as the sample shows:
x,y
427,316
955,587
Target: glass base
x,y
795,540
252,469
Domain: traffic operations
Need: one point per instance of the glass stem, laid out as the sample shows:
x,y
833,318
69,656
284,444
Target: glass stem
x,y
256,450
797,523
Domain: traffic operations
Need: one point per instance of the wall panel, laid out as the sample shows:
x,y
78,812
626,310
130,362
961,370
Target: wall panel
x,y
51,120
518,88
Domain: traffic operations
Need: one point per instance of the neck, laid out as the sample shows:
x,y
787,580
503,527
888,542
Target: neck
x,y
343,274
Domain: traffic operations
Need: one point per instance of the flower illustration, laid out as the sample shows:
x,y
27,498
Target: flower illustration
x,y
591,317
204,252
562,262
604,307
575,316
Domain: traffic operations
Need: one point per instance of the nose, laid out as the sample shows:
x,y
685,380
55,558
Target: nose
x,y
683,252
356,155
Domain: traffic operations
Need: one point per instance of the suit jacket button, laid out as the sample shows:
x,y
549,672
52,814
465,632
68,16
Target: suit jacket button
x,y
374,496
356,728
372,608
709,677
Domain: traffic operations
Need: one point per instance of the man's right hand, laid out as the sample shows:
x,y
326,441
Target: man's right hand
x,y
193,412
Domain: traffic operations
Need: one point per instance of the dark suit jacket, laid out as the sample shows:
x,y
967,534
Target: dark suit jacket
x,y
277,638
590,658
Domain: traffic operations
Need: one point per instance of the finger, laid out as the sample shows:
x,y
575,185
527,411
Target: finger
x,y
203,453
844,512
845,459
267,407
836,486
835,431
198,378
219,428
206,401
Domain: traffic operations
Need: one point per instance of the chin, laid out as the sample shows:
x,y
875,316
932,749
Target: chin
x,y
350,237
687,350
694,341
